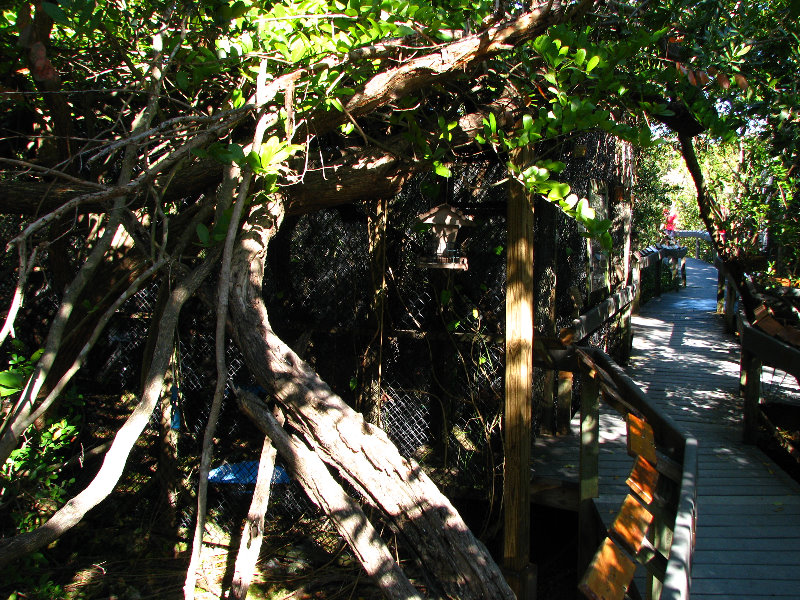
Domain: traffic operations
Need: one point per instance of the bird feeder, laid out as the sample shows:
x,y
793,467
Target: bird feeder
x,y
445,222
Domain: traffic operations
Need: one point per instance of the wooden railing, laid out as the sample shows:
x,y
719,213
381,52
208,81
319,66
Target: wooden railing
x,y
655,525
698,236
758,349
626,301
761,345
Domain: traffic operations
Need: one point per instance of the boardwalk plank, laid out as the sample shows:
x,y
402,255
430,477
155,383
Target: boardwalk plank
x,y
786,572
790,545
746,531
725,587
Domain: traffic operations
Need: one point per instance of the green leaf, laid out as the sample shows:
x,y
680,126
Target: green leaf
x,y
558,191
237,98
580,56
442,170
183,81
445,296
12,380
203,234
527,122
298,51
237,152
593,62
541,44
554,166
336,103
56,13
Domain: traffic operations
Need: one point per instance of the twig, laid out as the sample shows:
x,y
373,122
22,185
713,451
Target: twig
x,y
129,187
98,329
49,171
25,405
185,119
111,470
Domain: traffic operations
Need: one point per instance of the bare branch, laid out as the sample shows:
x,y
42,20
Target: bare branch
x,y
108,476
25,265
222,369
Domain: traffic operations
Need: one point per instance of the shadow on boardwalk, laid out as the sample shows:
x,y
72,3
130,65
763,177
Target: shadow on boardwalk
x,y
748,536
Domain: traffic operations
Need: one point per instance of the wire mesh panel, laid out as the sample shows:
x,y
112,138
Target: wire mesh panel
x,y
441,343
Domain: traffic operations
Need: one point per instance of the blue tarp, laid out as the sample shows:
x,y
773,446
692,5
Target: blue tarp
x,y
244,473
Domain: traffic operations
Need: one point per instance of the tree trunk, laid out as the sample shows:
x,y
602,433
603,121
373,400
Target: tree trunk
x,y
350,521
362,453
712,218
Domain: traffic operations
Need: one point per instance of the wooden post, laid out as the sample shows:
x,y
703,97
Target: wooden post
x,y
720,292
627,333
589,469
683,270
730,313
544,311
636,278
370,400
625,210
564,402
518,387
659,262
674,281
751,389
660,536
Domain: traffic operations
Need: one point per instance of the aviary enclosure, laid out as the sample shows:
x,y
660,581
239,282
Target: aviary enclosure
x,y
361,294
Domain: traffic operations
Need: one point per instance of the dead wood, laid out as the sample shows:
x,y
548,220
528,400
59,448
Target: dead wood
x,y
253,532
347,516
362,453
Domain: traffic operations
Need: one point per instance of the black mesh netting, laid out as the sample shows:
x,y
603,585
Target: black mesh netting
x,y
441,353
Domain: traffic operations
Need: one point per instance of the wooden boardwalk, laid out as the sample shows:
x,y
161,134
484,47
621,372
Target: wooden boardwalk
x,y
748,531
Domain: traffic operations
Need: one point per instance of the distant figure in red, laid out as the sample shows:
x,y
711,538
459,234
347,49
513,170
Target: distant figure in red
x,y
670,222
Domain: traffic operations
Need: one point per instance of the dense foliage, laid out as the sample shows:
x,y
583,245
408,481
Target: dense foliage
x,y
148,132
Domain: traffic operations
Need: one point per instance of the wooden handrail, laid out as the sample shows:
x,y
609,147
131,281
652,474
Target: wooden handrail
x,y
589,322
771,350
595,318
701,235
675,457
758,348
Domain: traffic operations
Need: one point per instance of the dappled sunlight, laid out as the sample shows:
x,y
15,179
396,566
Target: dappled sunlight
x,y
695,376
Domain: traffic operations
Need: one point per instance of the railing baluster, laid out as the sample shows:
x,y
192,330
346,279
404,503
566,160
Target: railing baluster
x,y
589,466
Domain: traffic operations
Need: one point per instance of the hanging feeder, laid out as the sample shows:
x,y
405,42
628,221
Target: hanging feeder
x,y
444,221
